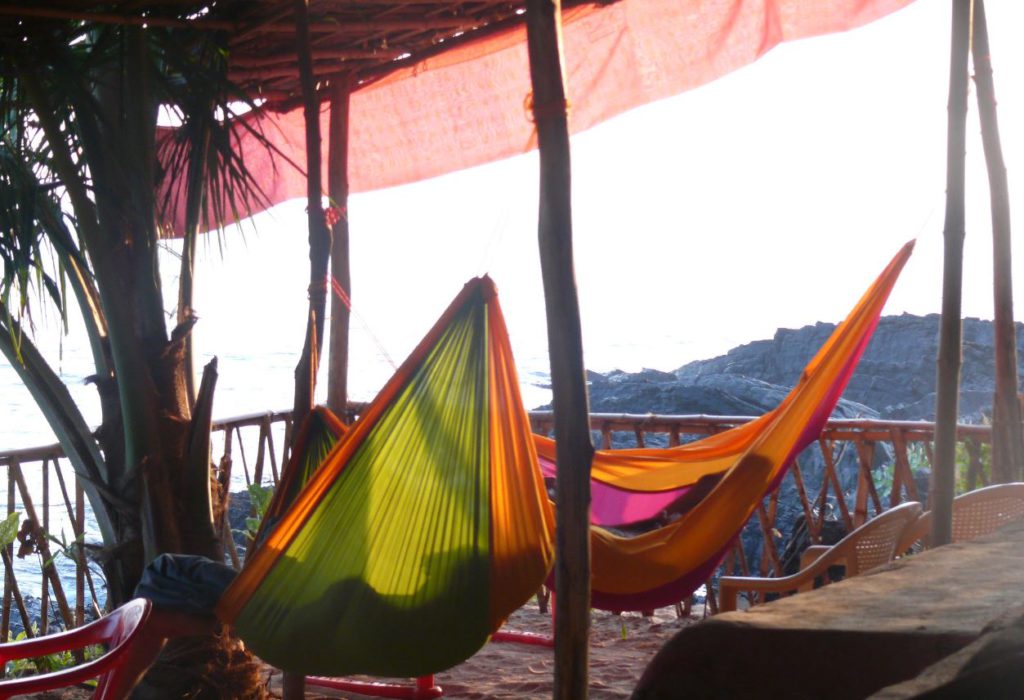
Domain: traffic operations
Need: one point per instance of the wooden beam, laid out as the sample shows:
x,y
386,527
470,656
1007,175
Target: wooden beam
x,y
565,347
337,179
318,55
319,70
1007,437
950,330
338,26
344,25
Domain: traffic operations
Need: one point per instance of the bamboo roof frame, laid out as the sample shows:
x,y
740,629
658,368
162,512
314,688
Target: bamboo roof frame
x,y
359,41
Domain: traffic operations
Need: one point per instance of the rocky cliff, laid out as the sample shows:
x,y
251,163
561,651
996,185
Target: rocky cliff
x,y
895,378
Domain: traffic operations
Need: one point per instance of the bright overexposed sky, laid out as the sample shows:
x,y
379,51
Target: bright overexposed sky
x,y
769,198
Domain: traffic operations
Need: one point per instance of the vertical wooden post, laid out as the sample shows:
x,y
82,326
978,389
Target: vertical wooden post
x,y
294,686
319,234
950,330
565,347
337,184
1007,436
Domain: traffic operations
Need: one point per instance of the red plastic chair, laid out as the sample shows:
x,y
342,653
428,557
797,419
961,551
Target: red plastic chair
x,y
117,670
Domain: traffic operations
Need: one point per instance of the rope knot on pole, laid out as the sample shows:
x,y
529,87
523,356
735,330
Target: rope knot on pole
x,y
537,112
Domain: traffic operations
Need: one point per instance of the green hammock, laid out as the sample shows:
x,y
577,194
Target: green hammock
x,y
425,527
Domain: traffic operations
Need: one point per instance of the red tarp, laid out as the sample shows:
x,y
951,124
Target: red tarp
x,y
466,106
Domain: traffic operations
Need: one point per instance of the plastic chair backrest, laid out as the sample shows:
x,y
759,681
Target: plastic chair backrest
x,y
116,631
874,543
975,513
982,511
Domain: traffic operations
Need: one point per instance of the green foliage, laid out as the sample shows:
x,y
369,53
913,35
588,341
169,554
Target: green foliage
x,y
966,452
68,548
48,663
963,465
260,497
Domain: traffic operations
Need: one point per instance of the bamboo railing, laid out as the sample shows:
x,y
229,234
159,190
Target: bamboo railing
x,y
253,449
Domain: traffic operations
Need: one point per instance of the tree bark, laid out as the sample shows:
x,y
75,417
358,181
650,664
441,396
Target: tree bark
x,y
565,347
1007,435
950,331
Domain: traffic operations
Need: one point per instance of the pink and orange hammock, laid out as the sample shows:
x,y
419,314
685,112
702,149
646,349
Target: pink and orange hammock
x,y
398,546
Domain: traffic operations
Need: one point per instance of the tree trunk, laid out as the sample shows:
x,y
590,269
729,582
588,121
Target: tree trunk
x,y
950,331
565,344
1007,435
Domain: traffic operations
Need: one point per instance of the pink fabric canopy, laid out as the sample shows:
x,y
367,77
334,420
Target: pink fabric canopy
x,y
467,106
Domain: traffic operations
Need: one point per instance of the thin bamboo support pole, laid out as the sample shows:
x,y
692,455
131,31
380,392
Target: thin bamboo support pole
x,y
319,256
82,564
44,593
833,477
769,553
76,515
272,452
1007,433
639,433
866,457
241,452
606,438
286,449
319,234
39,535
673,436
565,346
19,600
261,453
337,190
813,528
900,450
950,330
9,581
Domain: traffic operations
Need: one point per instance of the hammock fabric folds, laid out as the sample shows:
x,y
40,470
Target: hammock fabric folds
x,y
425,527
427,522
737,468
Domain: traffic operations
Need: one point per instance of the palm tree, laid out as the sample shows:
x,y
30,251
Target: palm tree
x,y
80,161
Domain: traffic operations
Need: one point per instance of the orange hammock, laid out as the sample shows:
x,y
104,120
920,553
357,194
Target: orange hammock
x,y
430,513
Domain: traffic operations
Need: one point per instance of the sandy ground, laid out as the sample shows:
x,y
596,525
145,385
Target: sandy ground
x,y
620,648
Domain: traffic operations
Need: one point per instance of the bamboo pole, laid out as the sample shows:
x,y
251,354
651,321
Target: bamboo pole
x,y
319,234
337,183
1007,436
294,685
950,331
565,347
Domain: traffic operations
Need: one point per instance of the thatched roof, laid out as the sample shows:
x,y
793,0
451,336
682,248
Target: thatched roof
x,y
364,40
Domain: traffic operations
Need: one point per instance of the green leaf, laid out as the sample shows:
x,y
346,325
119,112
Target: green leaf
x,y
9,529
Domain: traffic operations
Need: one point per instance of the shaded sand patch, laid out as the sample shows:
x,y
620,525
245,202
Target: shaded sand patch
x,y
620,648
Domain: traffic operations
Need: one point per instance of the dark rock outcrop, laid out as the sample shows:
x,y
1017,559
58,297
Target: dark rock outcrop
x,y
895,377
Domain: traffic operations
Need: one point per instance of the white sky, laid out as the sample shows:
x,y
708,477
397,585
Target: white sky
x,y
769,198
